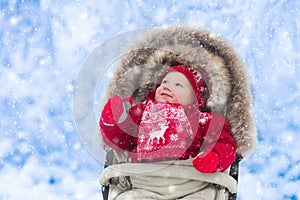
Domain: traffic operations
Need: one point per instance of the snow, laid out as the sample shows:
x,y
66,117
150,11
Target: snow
x,y
44,44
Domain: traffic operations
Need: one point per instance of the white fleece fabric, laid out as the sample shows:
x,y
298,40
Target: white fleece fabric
x,y
166,181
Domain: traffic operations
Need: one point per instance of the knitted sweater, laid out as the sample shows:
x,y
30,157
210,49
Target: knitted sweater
x,y
153,131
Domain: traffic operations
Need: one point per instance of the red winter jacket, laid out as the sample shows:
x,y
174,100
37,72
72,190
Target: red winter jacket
x,y
153,131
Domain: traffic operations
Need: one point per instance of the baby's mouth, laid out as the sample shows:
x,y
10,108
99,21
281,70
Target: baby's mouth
x,y
163,94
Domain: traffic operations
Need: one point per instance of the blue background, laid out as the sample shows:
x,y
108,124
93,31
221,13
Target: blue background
x,y
44,43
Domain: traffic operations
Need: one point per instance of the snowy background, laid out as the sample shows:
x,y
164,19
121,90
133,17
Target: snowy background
x,y
43,44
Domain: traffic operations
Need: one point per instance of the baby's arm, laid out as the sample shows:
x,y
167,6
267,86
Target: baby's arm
x,y
220,148
117,123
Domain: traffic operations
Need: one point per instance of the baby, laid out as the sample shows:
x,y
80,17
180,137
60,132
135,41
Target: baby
x,y
170,125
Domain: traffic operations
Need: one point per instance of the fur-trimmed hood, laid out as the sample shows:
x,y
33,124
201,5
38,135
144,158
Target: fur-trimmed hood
x,y
143,65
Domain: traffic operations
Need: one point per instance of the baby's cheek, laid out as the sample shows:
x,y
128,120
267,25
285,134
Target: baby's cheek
x,y
175,100
156,96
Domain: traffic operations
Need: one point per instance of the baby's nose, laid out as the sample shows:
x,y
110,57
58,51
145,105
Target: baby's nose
x,y
165,87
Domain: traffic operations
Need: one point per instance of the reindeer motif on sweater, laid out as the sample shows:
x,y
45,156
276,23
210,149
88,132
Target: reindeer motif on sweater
x,y
158,135
164,127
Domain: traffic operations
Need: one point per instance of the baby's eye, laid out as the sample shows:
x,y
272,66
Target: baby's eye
x,y
164,82
179,84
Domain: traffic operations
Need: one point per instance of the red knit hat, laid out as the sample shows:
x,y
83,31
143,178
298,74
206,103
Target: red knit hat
x,y
197,82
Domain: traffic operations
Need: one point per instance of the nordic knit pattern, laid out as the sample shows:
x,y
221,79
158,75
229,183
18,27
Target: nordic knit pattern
x,y
164,131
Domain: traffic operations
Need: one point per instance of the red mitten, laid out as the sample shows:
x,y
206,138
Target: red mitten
x,y
115,110
114,132
206,162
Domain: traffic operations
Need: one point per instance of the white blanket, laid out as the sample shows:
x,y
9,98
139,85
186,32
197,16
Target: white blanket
x,y
166,180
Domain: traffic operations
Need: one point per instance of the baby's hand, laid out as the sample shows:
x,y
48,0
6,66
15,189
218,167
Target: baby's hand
x,y
113,125
117,108
207,162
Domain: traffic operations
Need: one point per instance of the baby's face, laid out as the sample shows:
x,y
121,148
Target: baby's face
x,y
175,88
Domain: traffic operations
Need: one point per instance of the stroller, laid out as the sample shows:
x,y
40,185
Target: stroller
x,y
139,72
